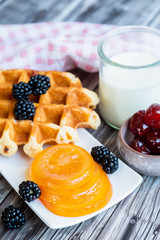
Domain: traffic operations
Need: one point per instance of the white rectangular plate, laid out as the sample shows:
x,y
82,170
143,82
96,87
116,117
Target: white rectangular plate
x,y
16,168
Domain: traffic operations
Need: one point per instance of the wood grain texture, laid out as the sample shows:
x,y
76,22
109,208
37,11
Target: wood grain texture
x,y
137,217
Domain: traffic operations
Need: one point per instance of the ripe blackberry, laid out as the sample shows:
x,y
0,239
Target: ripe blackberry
x,y
21,90
39,84
24,110
110,164
99,153
13,217
29,191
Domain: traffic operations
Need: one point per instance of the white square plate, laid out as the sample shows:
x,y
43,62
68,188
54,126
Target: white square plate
x,y
16,168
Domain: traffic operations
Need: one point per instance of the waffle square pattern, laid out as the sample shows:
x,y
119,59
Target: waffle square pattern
x,y
65,107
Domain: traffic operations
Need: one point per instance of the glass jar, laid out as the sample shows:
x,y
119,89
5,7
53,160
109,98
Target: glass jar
x,y
129,72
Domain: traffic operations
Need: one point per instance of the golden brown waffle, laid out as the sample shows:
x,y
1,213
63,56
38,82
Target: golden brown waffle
x,y
65,107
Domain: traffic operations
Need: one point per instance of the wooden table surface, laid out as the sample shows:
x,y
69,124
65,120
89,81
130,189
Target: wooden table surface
x,y
142,207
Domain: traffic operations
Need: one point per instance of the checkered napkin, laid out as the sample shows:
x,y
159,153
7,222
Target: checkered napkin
x,y
57,46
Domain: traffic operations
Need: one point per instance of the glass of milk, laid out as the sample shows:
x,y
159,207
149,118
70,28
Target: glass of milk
x,y
129,72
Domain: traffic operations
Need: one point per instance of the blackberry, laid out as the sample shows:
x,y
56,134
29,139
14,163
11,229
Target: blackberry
x,y
110,164
99,153
21,90
24,110
29,191
39,84
13,217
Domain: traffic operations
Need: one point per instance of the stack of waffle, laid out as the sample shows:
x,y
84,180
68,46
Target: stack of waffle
x,y
65,107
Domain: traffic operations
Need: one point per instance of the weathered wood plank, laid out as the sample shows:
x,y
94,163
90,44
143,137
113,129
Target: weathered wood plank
x,y
5,188
137,204
33,223
99,11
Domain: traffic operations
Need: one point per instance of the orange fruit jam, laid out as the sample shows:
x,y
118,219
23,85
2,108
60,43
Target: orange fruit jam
x,y
72,184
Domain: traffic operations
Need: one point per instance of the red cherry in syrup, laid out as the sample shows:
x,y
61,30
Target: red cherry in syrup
x,y
138,125
153,141
152,116
139,145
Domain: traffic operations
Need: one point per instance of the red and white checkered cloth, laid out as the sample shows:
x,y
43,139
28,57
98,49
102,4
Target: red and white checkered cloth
x,y
57,46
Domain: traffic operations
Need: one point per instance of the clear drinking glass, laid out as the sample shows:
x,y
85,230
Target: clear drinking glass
x,y
129,72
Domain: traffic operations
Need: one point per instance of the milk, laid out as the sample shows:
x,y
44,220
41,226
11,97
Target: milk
x,y
124,91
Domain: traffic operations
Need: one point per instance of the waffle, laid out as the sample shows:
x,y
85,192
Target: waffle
x,y
65,107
